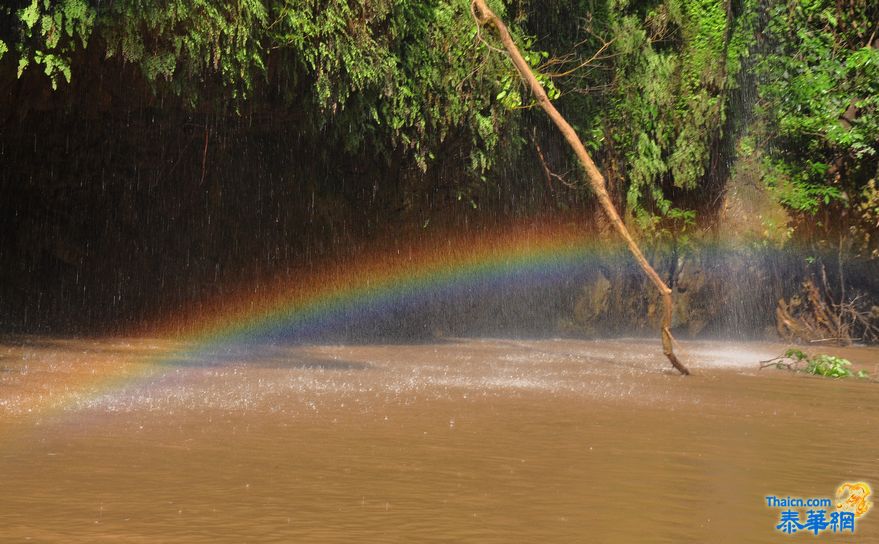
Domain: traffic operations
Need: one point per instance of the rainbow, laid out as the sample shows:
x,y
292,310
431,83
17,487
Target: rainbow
x,y
310,300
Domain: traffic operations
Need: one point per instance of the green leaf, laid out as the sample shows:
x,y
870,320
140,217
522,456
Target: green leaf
x,y
22,64
30,15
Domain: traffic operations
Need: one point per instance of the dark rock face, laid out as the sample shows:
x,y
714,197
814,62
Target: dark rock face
x,y
731,293
592,304
119,206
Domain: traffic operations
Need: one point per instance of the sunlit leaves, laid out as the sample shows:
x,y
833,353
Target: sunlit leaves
x,y
49,31
819,88
671,62
30,15
185,42
512,85
395,77
829,366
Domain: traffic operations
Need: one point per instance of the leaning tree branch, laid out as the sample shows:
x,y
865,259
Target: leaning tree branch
x,y
485,17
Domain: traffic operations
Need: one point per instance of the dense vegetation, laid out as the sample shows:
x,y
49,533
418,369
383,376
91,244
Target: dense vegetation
x,y
399,75
654,98
818,115
352,112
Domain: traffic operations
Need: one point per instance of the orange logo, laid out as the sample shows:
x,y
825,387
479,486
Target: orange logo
x,y
856,500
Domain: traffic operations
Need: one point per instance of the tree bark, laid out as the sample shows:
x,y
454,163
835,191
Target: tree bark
x,y
486,17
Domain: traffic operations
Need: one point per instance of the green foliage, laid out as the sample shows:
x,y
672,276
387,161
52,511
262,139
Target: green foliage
x,y
819,95
671,76
388,78
512,85
796,354
182,42
409,81
397,77
409,73
179,41
828,366
48,32
673,226
703,27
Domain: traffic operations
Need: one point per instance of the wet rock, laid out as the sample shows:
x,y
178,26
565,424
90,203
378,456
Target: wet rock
x,y
592,305
729,294
695,305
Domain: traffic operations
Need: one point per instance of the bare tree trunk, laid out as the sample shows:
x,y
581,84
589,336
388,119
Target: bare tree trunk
x,y
486,17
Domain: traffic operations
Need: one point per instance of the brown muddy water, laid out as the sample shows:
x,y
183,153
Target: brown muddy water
x,y
462,441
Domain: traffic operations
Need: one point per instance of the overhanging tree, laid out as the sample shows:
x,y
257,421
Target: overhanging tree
x,y
485,18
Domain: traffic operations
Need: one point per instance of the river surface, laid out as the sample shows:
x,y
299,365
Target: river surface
x,y
459,441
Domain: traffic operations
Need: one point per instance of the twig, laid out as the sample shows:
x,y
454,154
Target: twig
x,y
547,173
583,64
204,156
837,339
777,362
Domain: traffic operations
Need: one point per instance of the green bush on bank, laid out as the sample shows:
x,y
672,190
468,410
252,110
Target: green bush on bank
x,y
828,366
